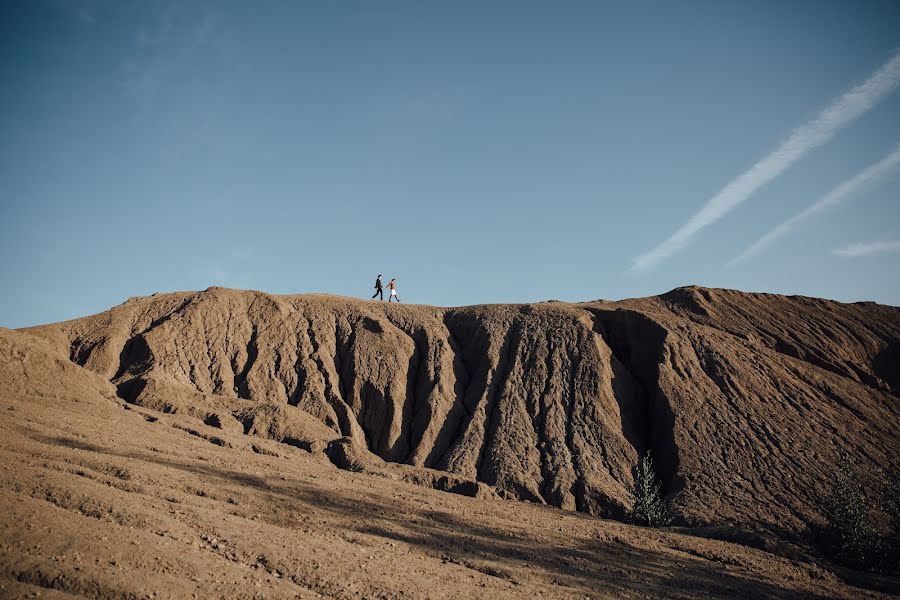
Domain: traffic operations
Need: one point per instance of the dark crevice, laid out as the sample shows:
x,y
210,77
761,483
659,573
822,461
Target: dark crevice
x,y
212,439
213,420
300,372
80,354
160,320
376,410
539,422
458,416
130,390
638,343
472,342
416,415
372,420
276,372
307,445
134,358
340,352
240,379
332,395
495,390
574,365
886,364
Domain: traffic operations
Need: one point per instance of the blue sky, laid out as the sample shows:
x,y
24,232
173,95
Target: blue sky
x,y
478,151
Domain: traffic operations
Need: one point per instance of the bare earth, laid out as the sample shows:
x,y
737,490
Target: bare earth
x,y
239,444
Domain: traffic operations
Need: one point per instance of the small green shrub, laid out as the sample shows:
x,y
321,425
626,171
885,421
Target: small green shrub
x,y
892,502
847,511
892,507
648,506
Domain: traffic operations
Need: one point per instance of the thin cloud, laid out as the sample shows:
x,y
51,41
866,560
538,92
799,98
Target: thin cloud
x,y
802,140
867,248
832,198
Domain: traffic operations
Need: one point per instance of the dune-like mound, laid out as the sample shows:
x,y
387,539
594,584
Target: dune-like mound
x,y
744,400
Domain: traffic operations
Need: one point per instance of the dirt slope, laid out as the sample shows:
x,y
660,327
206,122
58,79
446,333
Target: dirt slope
x,y
744,399
108,499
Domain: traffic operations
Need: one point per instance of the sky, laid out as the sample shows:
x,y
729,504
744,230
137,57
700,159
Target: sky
x,y
479,152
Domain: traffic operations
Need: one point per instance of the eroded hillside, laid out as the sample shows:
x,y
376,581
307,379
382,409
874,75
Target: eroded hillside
x,y
106,499
744,399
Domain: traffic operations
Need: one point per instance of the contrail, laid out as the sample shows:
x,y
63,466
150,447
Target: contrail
x,y
802,140
830,199
866,249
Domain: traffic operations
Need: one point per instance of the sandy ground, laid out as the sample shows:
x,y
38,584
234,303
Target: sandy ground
x,y
103,499
214,480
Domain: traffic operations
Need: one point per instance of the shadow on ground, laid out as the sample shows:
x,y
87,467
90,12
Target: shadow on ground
x,y
610,566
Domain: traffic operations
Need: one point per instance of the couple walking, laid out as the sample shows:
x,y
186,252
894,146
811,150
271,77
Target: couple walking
x,y
391,285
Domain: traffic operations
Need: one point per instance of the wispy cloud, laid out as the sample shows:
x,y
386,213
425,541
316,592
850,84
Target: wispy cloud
x,y
867,248
832,198
801,141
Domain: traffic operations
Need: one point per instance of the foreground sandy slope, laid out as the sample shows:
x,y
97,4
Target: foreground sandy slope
x,y
104,499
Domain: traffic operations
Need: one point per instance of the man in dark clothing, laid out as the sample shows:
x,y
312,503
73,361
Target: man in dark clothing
x,y
378,291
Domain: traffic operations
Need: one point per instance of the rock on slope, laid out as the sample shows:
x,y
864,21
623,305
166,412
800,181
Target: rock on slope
x,y
744,399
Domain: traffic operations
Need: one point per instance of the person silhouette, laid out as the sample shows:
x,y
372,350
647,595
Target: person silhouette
x,y
378,291
393,287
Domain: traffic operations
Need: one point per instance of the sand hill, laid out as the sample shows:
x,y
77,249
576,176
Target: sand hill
x,y
241,404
